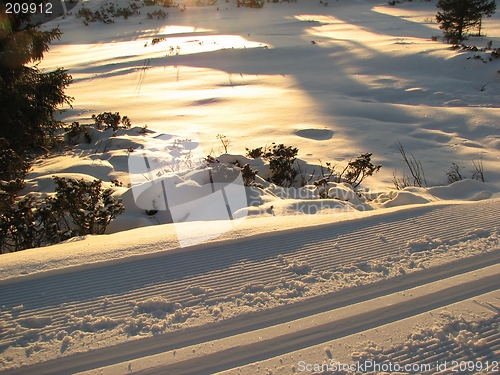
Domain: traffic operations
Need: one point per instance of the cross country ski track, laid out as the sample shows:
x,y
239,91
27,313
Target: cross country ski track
x,y
233,269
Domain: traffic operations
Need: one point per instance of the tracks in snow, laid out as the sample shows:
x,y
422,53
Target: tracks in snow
x,y
337,323
300,325
227,270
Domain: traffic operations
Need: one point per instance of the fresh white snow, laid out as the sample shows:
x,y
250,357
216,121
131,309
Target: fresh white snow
x,y
334,81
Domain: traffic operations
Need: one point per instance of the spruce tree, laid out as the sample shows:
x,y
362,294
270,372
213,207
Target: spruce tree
x,y
457,17
29,97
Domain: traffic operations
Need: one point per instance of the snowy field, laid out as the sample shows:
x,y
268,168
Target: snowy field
x,y
312,277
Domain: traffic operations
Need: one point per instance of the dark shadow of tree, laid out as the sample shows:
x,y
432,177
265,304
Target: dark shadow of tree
x,y
332,71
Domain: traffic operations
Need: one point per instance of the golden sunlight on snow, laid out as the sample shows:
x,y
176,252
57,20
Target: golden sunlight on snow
x,y
336,29
178,29
114,53
320,271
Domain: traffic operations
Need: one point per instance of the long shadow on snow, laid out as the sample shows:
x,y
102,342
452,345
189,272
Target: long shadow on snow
x,y
330,83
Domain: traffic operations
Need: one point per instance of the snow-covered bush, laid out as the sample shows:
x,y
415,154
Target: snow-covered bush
x,y
53,222
105,14
75,131
111,120
24,223
454,174
248,175
282,164
89,16
27,223
250,3
255,153
358,169
79,207
164,3
495,53
89,207
18,230
205,2
281,159
158,14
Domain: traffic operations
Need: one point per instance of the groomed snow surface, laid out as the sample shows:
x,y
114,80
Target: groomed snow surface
x,y
302,284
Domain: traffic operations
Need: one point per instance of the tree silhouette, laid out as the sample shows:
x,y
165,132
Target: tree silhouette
x,y
458,16
29,98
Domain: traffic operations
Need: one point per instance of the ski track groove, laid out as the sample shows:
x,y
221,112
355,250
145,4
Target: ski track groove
x,y
449,351
307,250
304,251
227,270
276,347
484,283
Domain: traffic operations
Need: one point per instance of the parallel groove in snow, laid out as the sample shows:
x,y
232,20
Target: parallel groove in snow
x,y
214,261
449,350
371,313
450,292
227,269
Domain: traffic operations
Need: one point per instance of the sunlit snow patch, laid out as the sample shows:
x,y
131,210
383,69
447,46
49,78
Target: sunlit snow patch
x,y
170,173
183,45
118,54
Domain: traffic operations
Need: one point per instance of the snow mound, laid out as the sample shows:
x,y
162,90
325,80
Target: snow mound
x,y
343,192
155,304
469,190
402,198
